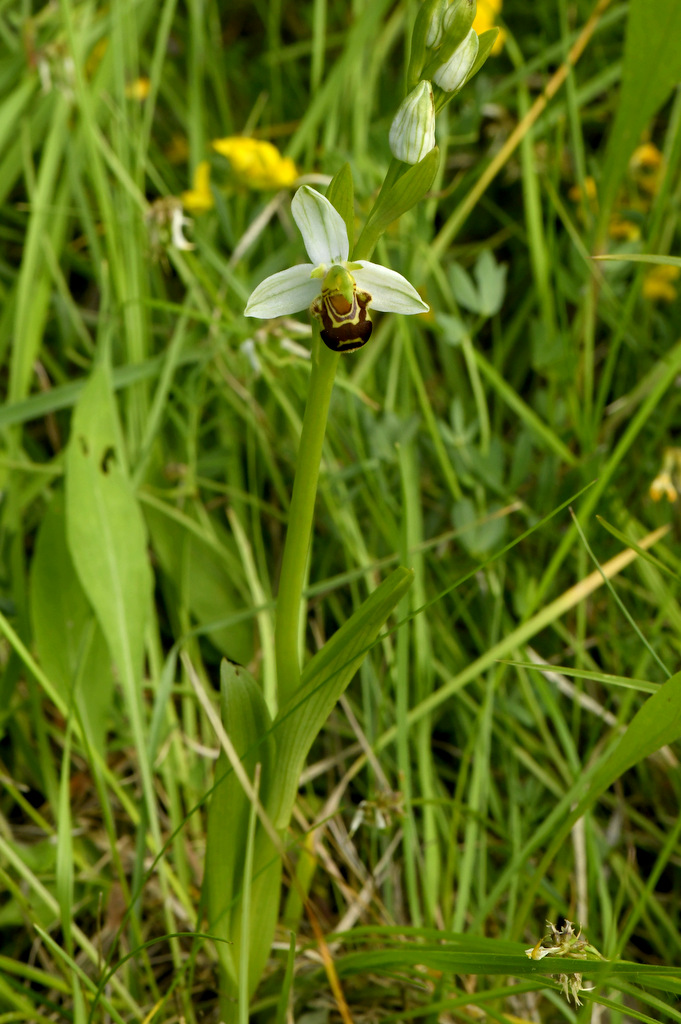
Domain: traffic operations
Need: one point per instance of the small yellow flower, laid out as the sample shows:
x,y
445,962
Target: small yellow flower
x,y
647,168
647,155
622,229
575,193
199,198
657,283
487,11
667,483
662,486
257,164
138,90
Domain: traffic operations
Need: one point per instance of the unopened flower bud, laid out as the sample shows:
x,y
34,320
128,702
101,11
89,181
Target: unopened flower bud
x,y
412,133
452,75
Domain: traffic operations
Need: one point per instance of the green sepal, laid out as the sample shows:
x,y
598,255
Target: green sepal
x,y
418,42
248,723
323,681
341,195
406,192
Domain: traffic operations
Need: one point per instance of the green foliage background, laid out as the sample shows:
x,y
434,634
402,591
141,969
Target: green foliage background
x,y
146,463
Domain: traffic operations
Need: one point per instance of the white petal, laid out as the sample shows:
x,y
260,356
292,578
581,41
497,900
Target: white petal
x,y
321,225
289,291
177,222
390,292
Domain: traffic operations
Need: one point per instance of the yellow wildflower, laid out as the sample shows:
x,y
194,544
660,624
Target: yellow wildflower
x,y
667,483
575,193
622,229
647,167
662,486
657,283
487,11
647,155
199,197
257,164
138,90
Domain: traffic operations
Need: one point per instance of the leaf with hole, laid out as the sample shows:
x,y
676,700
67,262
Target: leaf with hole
x,y
105,528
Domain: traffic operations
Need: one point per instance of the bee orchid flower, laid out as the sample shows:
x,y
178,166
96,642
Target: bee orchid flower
x,y
338,292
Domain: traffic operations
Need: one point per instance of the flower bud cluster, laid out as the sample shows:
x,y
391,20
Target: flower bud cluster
x,y
445,52
454,44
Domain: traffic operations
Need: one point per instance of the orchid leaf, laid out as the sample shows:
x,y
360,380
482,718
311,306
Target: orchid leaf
x,y
106,532
404,194
323,681
69,641
248,724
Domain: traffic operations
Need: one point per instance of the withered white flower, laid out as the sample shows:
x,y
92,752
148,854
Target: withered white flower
x,y
339,293
178,221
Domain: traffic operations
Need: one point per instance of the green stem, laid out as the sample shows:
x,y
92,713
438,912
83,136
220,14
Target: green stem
x,y
301,513
366,243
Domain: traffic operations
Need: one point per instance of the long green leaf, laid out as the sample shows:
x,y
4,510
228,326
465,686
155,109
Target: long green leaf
x,y
248,724
108,545
655,724
105,528
46,227
395,200
12,109
405,193
69,642
408,956
651,69
641,257
324,680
